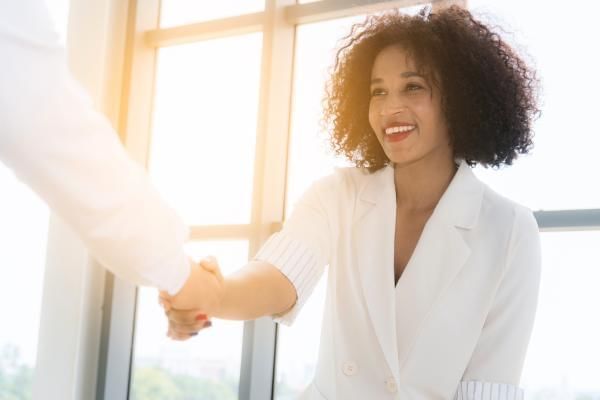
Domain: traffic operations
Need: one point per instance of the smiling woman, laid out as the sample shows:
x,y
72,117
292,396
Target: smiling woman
x,y
432,277
407,93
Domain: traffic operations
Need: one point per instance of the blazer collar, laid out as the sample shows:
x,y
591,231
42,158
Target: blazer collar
x,y
397,313
459,205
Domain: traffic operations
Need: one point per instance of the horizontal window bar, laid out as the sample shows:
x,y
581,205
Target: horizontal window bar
x,y
294,15
332,9
230,26
233,232
568,220
561,220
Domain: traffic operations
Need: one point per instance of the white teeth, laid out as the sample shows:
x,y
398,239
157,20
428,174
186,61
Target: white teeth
x,y
398,129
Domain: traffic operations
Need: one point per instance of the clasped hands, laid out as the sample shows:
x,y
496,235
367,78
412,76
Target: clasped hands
x,y
191,309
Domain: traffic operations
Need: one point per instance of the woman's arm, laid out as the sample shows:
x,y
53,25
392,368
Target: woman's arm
x,y
280,278
256,290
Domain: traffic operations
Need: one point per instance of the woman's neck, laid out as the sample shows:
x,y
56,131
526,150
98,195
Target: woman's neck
x,y
421,184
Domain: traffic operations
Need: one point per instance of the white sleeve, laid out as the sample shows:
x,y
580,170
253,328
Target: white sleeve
x,y
55,142
494,371
302,249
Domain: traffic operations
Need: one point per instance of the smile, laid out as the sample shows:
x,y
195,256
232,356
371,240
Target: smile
x,y
399,129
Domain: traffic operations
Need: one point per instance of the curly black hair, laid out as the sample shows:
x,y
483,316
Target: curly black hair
x,y
489,94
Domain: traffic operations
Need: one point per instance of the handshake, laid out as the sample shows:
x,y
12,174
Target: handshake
x,y
256,290
200,298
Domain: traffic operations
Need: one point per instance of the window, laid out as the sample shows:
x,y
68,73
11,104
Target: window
x,y
23,232
202,160
204,133
220,81
180,12
207,366
557,176
562,357
564,160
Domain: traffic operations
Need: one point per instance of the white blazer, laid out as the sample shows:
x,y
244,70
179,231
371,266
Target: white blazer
x,y
458,323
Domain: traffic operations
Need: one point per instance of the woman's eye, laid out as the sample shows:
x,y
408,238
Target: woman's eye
x,y
411,87
377,92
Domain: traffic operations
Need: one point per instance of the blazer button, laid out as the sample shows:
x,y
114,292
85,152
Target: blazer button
x,y
390,384
350,368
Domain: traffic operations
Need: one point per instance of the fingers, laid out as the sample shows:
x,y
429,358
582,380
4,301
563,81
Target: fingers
x,y
185,317
183,310
184,332
173,335
188,329
184,324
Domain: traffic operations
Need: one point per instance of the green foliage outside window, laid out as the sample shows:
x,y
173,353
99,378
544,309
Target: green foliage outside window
x,y
151,383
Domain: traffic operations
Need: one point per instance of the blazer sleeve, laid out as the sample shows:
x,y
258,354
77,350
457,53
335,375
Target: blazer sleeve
x,y
495,367
54,140
302,249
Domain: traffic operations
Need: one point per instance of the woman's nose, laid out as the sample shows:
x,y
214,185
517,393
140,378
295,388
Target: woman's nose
x,y
392,105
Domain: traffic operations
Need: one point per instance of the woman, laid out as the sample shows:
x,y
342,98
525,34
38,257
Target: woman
x,y
433,277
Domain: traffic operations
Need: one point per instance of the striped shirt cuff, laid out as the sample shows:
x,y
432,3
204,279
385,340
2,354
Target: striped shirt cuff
x,y
298,263
476,390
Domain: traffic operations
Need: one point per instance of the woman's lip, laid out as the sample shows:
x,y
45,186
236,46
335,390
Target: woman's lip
x,y
397,137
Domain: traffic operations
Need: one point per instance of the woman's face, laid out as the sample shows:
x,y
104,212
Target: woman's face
x,y
405,111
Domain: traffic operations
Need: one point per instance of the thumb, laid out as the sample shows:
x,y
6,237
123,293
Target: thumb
x,y
211,265
164,299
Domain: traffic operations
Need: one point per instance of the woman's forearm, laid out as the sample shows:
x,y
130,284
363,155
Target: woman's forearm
x,y
257,290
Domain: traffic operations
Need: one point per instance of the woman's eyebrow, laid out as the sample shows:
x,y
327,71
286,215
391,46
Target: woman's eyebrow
x,y
407,74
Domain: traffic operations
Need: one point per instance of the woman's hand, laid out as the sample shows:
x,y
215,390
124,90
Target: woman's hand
x,y
200,297
186,324
202,291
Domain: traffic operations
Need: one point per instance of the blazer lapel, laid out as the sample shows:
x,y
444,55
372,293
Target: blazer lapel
x,y
440,254
397,313
374,230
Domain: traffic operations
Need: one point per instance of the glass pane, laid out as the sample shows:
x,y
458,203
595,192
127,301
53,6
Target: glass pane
x,y
180,12
315,51
562,359
204,367
23,234
563,170
204,132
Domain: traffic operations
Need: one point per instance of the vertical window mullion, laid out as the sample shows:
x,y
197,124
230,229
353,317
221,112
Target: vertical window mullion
x,y
258,358
116,342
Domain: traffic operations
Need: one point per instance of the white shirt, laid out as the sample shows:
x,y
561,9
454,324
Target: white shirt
x,y
55,142
458,322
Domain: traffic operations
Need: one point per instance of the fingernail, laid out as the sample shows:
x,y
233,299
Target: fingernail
x,y
207,324
200,317
193,333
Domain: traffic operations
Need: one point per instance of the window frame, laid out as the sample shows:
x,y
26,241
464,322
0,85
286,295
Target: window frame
x,y
73,288
278,24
